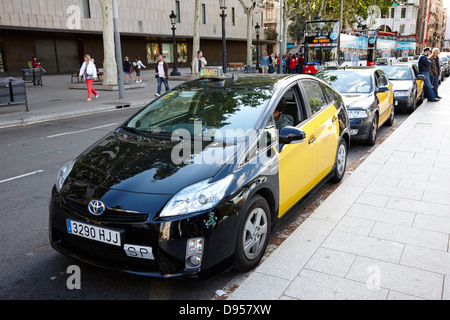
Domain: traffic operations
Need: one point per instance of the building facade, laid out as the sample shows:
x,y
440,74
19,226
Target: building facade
x,y
60,32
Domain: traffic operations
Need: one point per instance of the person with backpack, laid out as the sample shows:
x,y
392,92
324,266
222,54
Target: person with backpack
x,y
137,65
127,68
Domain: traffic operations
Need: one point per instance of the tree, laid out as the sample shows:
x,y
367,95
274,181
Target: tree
x,y
248,10
109,61
196,38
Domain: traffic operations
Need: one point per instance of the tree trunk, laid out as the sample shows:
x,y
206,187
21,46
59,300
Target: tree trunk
x,y
109,62
196,35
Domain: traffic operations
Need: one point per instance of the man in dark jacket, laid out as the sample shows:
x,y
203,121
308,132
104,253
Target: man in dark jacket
x,y
424,68
435,71
162,74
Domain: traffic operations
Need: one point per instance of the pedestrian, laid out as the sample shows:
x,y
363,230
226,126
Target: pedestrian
x,y
198,63
435,71
301,63
137,65
293,64
89,72
127,68
162,74
264,63
424,69
271,63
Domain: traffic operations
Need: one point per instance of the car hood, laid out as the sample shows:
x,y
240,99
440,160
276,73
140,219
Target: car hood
x,y
146,165
401,84
358,100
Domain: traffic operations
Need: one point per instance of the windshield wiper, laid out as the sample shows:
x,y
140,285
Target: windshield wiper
x,y
157,135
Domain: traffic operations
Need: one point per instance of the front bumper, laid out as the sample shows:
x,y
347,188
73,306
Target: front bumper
x,y
360,128
403,102
167,239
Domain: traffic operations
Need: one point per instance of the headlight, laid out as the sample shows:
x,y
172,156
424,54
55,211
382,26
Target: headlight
x,y
197,197
63,173
352,114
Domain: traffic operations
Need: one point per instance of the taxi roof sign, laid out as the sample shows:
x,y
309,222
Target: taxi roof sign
x,y
212,73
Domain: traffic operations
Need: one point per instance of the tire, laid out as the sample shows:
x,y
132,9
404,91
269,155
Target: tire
x,y
412,108
253,234
341,162
390,121
373,131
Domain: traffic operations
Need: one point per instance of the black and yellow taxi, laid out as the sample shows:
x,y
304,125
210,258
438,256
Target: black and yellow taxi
x,y
407,84
199,177
369,98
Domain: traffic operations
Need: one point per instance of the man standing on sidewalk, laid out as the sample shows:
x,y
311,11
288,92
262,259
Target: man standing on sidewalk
x,y
162,74
435,71
424,68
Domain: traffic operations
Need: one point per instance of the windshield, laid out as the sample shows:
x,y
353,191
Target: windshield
x,y
348,81
397,72
206,112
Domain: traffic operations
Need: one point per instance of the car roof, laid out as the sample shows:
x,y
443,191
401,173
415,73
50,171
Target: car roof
x,y
248,81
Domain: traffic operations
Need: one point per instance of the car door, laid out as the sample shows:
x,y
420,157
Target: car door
x,y
297,162
384,98
324,116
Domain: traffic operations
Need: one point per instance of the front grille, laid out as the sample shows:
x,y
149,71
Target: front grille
x,y
110,215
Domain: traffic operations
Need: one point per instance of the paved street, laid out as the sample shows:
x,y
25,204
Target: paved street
x,y
383,233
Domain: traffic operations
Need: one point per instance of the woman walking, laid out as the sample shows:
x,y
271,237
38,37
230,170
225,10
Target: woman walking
x,y
127,68
89,71
137,65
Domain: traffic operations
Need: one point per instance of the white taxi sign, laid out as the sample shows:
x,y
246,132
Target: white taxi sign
x,y
211,73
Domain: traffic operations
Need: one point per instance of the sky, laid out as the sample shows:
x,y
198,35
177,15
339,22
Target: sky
x,y
446,3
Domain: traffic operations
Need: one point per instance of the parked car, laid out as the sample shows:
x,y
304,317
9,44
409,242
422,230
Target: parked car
x,y
445,64
408,88
369,98
199,177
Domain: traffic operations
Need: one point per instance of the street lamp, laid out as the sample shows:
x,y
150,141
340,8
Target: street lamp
x,y
224,42
173,21
257,46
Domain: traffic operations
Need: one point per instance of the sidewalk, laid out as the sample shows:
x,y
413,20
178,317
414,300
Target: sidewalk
x,y
55,100
383,233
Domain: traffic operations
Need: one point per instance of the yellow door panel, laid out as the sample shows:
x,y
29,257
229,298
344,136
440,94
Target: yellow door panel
x,y
327,138
297,169
419,88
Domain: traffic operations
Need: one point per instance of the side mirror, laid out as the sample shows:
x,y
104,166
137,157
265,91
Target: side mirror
x,y
420,77
290,135
383,89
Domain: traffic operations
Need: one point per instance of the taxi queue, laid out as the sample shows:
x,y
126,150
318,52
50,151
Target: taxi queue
x,y
194,182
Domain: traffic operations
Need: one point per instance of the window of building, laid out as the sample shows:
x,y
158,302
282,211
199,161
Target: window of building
x,y
86,9
233,17
177,11
403,13
203,14
167,51
2,61
152,52
392,12
402,28
182,52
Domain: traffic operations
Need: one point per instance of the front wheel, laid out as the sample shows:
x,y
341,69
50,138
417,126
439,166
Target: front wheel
x,y
253,234
373,131
341,162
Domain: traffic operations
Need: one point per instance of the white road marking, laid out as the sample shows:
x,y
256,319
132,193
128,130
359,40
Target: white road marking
x,y
84,130
21,176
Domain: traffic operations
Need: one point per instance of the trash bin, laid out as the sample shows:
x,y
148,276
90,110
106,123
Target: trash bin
x,y
28,75
32,75
18,92
5,95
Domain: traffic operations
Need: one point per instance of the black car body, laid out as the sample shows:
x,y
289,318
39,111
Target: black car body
x,y
140,201
408,88
368,96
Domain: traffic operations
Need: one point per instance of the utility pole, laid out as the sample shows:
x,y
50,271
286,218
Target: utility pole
x,y
118,50
281,36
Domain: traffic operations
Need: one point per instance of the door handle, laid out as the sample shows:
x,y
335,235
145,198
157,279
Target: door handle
x,y
312,140
334,118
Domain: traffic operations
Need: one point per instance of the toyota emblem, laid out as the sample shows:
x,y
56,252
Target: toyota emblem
x,y
96,207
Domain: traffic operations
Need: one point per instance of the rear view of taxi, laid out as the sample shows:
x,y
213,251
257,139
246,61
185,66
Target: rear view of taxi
x,y
199,177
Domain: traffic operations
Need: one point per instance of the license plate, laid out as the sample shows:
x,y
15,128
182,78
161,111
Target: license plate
x,y
93,232
135,251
